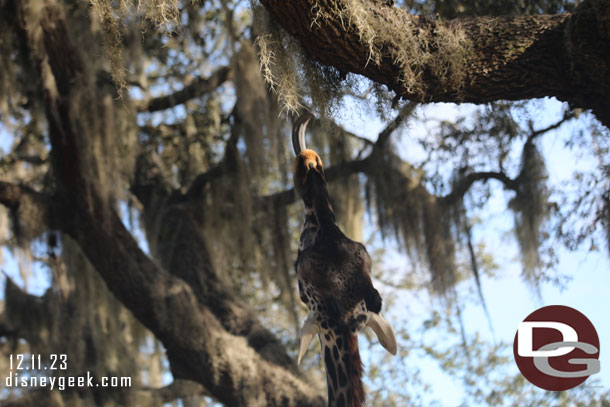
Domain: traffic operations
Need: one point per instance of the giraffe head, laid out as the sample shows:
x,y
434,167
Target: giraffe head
x,y
340,350
308,171
382,328
340,353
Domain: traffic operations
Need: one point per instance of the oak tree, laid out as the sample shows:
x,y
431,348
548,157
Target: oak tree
x,y
148,221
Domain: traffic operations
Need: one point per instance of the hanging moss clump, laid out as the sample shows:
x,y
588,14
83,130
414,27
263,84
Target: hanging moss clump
x,y
531,210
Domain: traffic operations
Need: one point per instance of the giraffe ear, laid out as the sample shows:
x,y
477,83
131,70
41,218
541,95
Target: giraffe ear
x,y
308,331
384,332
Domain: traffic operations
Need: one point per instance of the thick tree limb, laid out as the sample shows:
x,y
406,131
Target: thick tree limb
x,y
198,87
175,239
198,347
516,57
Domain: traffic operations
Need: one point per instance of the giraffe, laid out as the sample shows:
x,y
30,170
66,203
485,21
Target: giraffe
x,y
334,282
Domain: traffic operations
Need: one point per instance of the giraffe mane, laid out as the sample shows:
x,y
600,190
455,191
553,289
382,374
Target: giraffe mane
x,y
355,373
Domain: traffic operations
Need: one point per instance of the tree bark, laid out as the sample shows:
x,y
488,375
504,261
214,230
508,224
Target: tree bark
x,y
210,337
518,57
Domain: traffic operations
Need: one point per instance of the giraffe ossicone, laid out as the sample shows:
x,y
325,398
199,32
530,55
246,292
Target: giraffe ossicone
x,y
309,330
384,332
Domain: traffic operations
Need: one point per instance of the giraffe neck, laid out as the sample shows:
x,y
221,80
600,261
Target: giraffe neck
x,y
319,217
343,367
321,205
310,229
339,348
338,338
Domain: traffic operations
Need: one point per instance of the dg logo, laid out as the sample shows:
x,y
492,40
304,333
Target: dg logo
x,y
556,348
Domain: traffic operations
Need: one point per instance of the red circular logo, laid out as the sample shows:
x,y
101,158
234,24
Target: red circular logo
x,y
556,348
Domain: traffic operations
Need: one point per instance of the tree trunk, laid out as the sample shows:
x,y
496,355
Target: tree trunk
x,y
210,336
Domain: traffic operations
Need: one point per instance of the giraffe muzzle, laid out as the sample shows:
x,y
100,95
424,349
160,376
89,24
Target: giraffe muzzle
x,y
382,328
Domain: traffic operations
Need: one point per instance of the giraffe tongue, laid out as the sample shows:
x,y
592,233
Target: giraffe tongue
x,y
308,331
384,332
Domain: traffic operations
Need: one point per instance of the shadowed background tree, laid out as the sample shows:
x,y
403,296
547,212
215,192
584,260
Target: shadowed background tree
x,y
148,221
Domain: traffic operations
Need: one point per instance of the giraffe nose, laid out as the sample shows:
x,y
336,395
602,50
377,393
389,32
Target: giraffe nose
x,y
311,166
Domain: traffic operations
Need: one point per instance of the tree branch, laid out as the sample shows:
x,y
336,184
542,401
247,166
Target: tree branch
x,y
11,194
393,125
568,115
511,57
13,158
28,209
197,88
364,140
198,346
199,183
36,307
464,184
347,168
